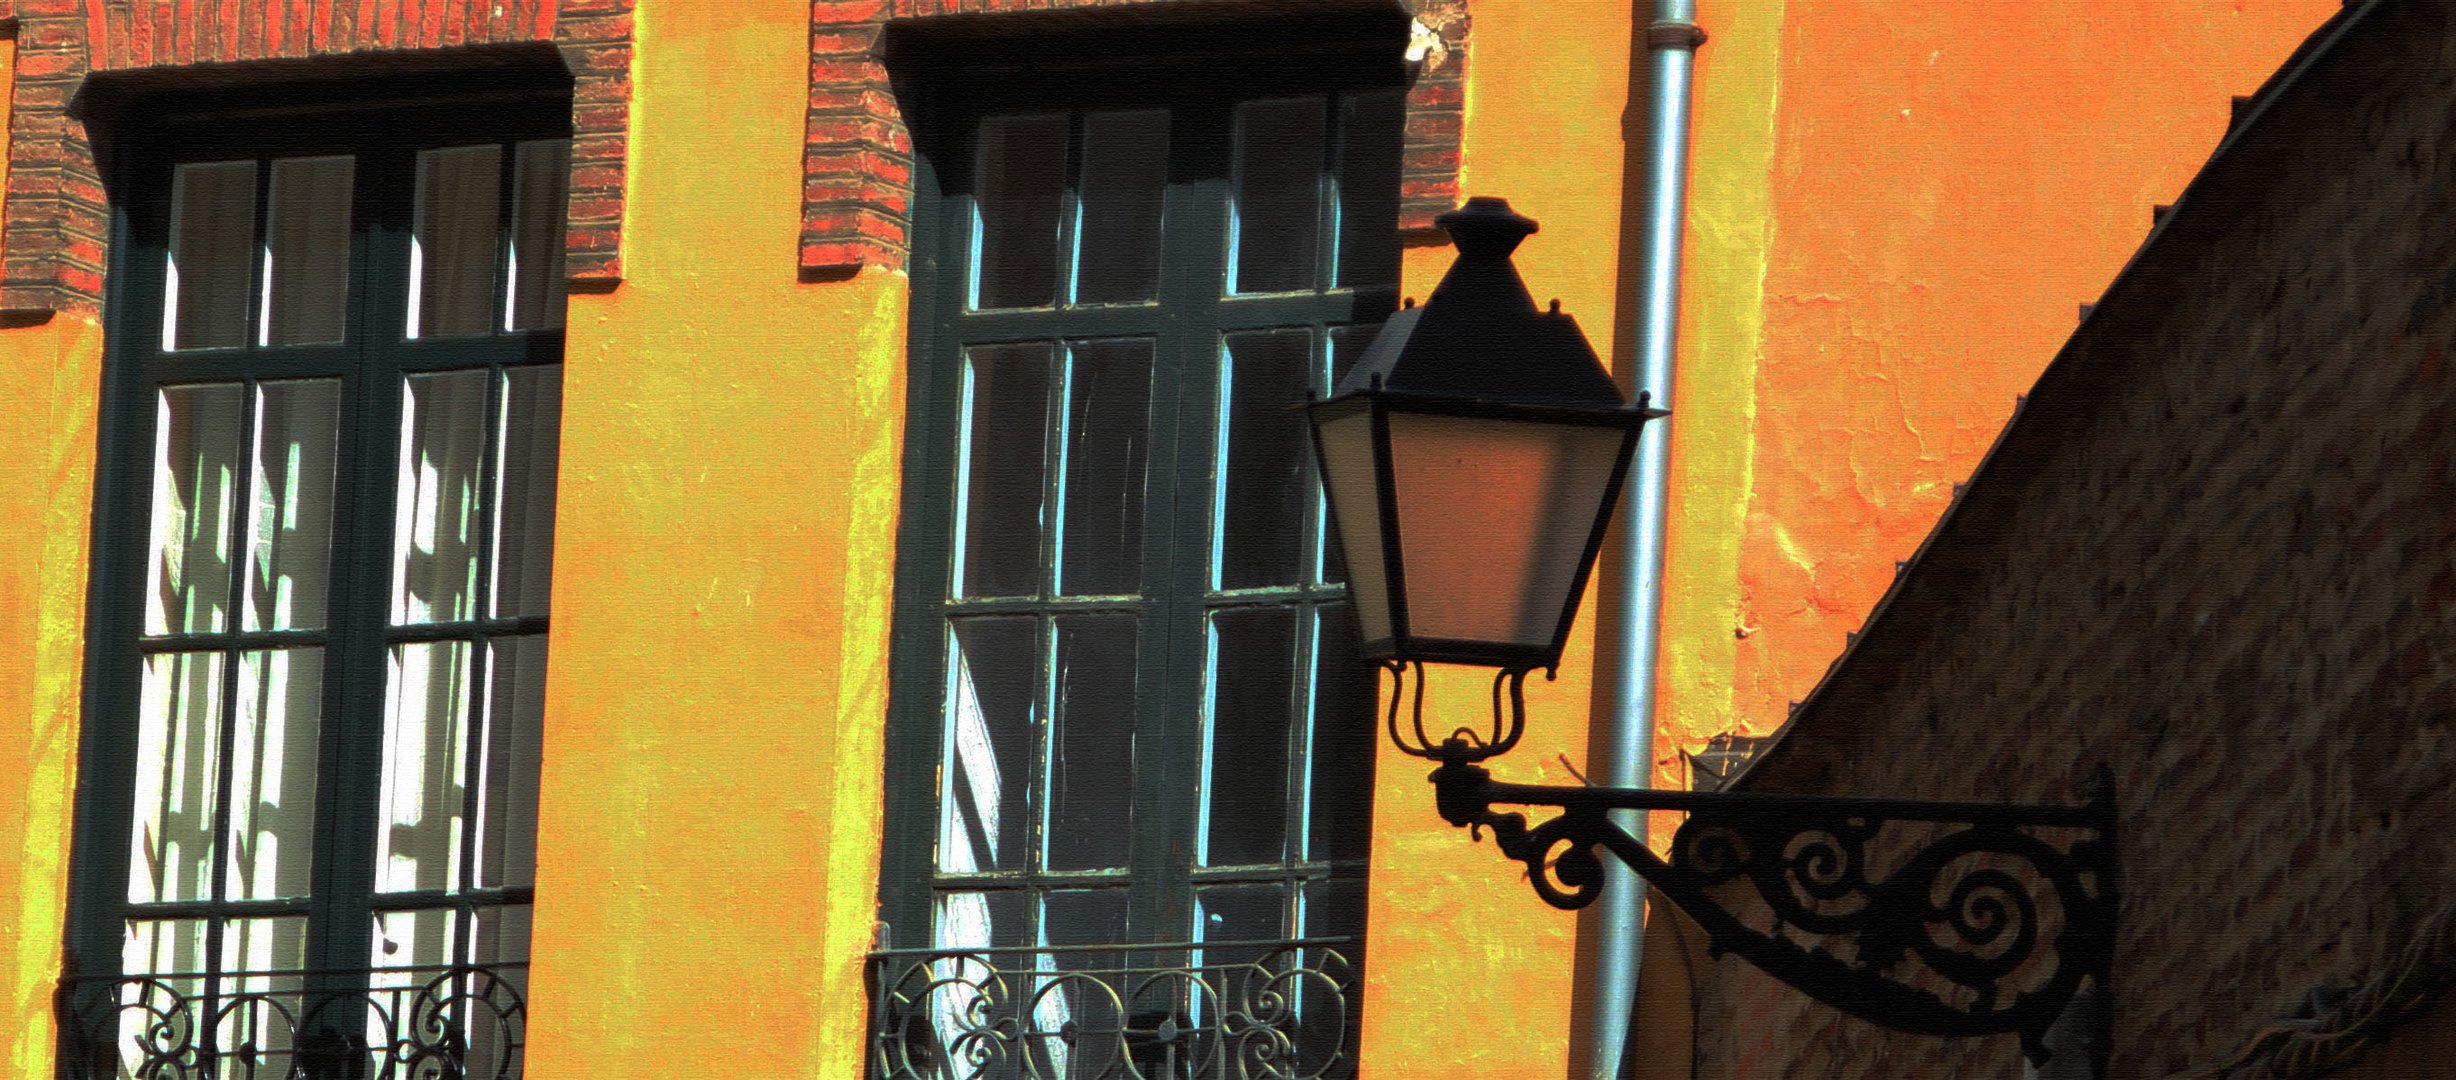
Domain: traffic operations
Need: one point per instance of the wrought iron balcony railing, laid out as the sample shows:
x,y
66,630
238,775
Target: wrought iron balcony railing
x,y
1243,1010
464,1022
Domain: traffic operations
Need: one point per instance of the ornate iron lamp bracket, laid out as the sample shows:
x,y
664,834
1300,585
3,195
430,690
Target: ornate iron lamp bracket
x,y
1941,918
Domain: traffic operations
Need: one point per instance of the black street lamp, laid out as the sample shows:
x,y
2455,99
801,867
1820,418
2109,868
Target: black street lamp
x,y
1472,461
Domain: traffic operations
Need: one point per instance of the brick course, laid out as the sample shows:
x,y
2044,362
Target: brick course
x,y
56,211
858,183
2216,551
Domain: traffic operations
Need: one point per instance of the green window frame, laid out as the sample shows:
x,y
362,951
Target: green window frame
x,y
1125,707
322,546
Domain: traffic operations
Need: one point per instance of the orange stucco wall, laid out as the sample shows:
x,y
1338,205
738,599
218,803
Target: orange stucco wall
x,y
1469,972
1896,209
708,841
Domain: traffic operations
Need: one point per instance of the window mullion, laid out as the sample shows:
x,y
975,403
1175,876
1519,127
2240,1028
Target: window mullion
x,y
356,701
1177,539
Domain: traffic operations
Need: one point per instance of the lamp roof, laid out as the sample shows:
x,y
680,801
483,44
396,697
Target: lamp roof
x,y
1479,335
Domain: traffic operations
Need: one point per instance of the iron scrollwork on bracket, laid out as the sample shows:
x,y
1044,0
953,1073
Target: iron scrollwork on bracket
x,y
1939,918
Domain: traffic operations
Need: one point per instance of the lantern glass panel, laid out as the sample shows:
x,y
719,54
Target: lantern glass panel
x,y
1353,482
1494,518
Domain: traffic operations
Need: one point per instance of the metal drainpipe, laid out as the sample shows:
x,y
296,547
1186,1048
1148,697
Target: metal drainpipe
x,y
1620,750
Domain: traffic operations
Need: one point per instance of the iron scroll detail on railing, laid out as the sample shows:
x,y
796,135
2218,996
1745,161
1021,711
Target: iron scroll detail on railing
x,y
1242,1010
456,1022
1941,918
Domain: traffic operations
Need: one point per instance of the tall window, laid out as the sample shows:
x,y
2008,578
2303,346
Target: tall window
x,y
1130,732
307,809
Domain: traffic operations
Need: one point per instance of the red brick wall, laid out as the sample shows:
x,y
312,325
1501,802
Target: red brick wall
x,y
56,218
2217,553
857,165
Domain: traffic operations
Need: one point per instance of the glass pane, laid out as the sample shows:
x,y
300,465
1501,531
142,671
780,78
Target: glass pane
x,y
195,473
506,769
426,740
541,177
435,523
1368,189
1339,806
975,920
1278,195
452,245
1084,917
1493,519
178,773
1335,908
984,816
1108,407
1006,394
524,489
491,1014
276,944
289,546
1246,761
502,936
1346,472
307,252
273,773
1267,482
1091,763
164,946
1346,345
429,936
213,239
1095,1011
1125,169
1241,913
1021,184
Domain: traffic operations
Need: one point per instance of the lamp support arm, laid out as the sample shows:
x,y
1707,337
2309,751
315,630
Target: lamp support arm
x,y
1941,918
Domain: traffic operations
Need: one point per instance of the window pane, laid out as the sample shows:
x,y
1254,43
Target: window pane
x,y
1339,808
1368,189
1004,433
531,429
426,739
289,543
1091,766
178,774
435,523
507,765
1084,917
273,773
1092,1008
1246,784
1278,195
275,944
1108,405
985,816
1125,168
196,467
307,251
1267,483
213,237
1021,184
452,245
415,938
541,177
974,920
1241,913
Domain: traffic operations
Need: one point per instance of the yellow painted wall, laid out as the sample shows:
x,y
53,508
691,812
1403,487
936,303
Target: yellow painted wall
x,y
50,381
708,840
1467,971
50,377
